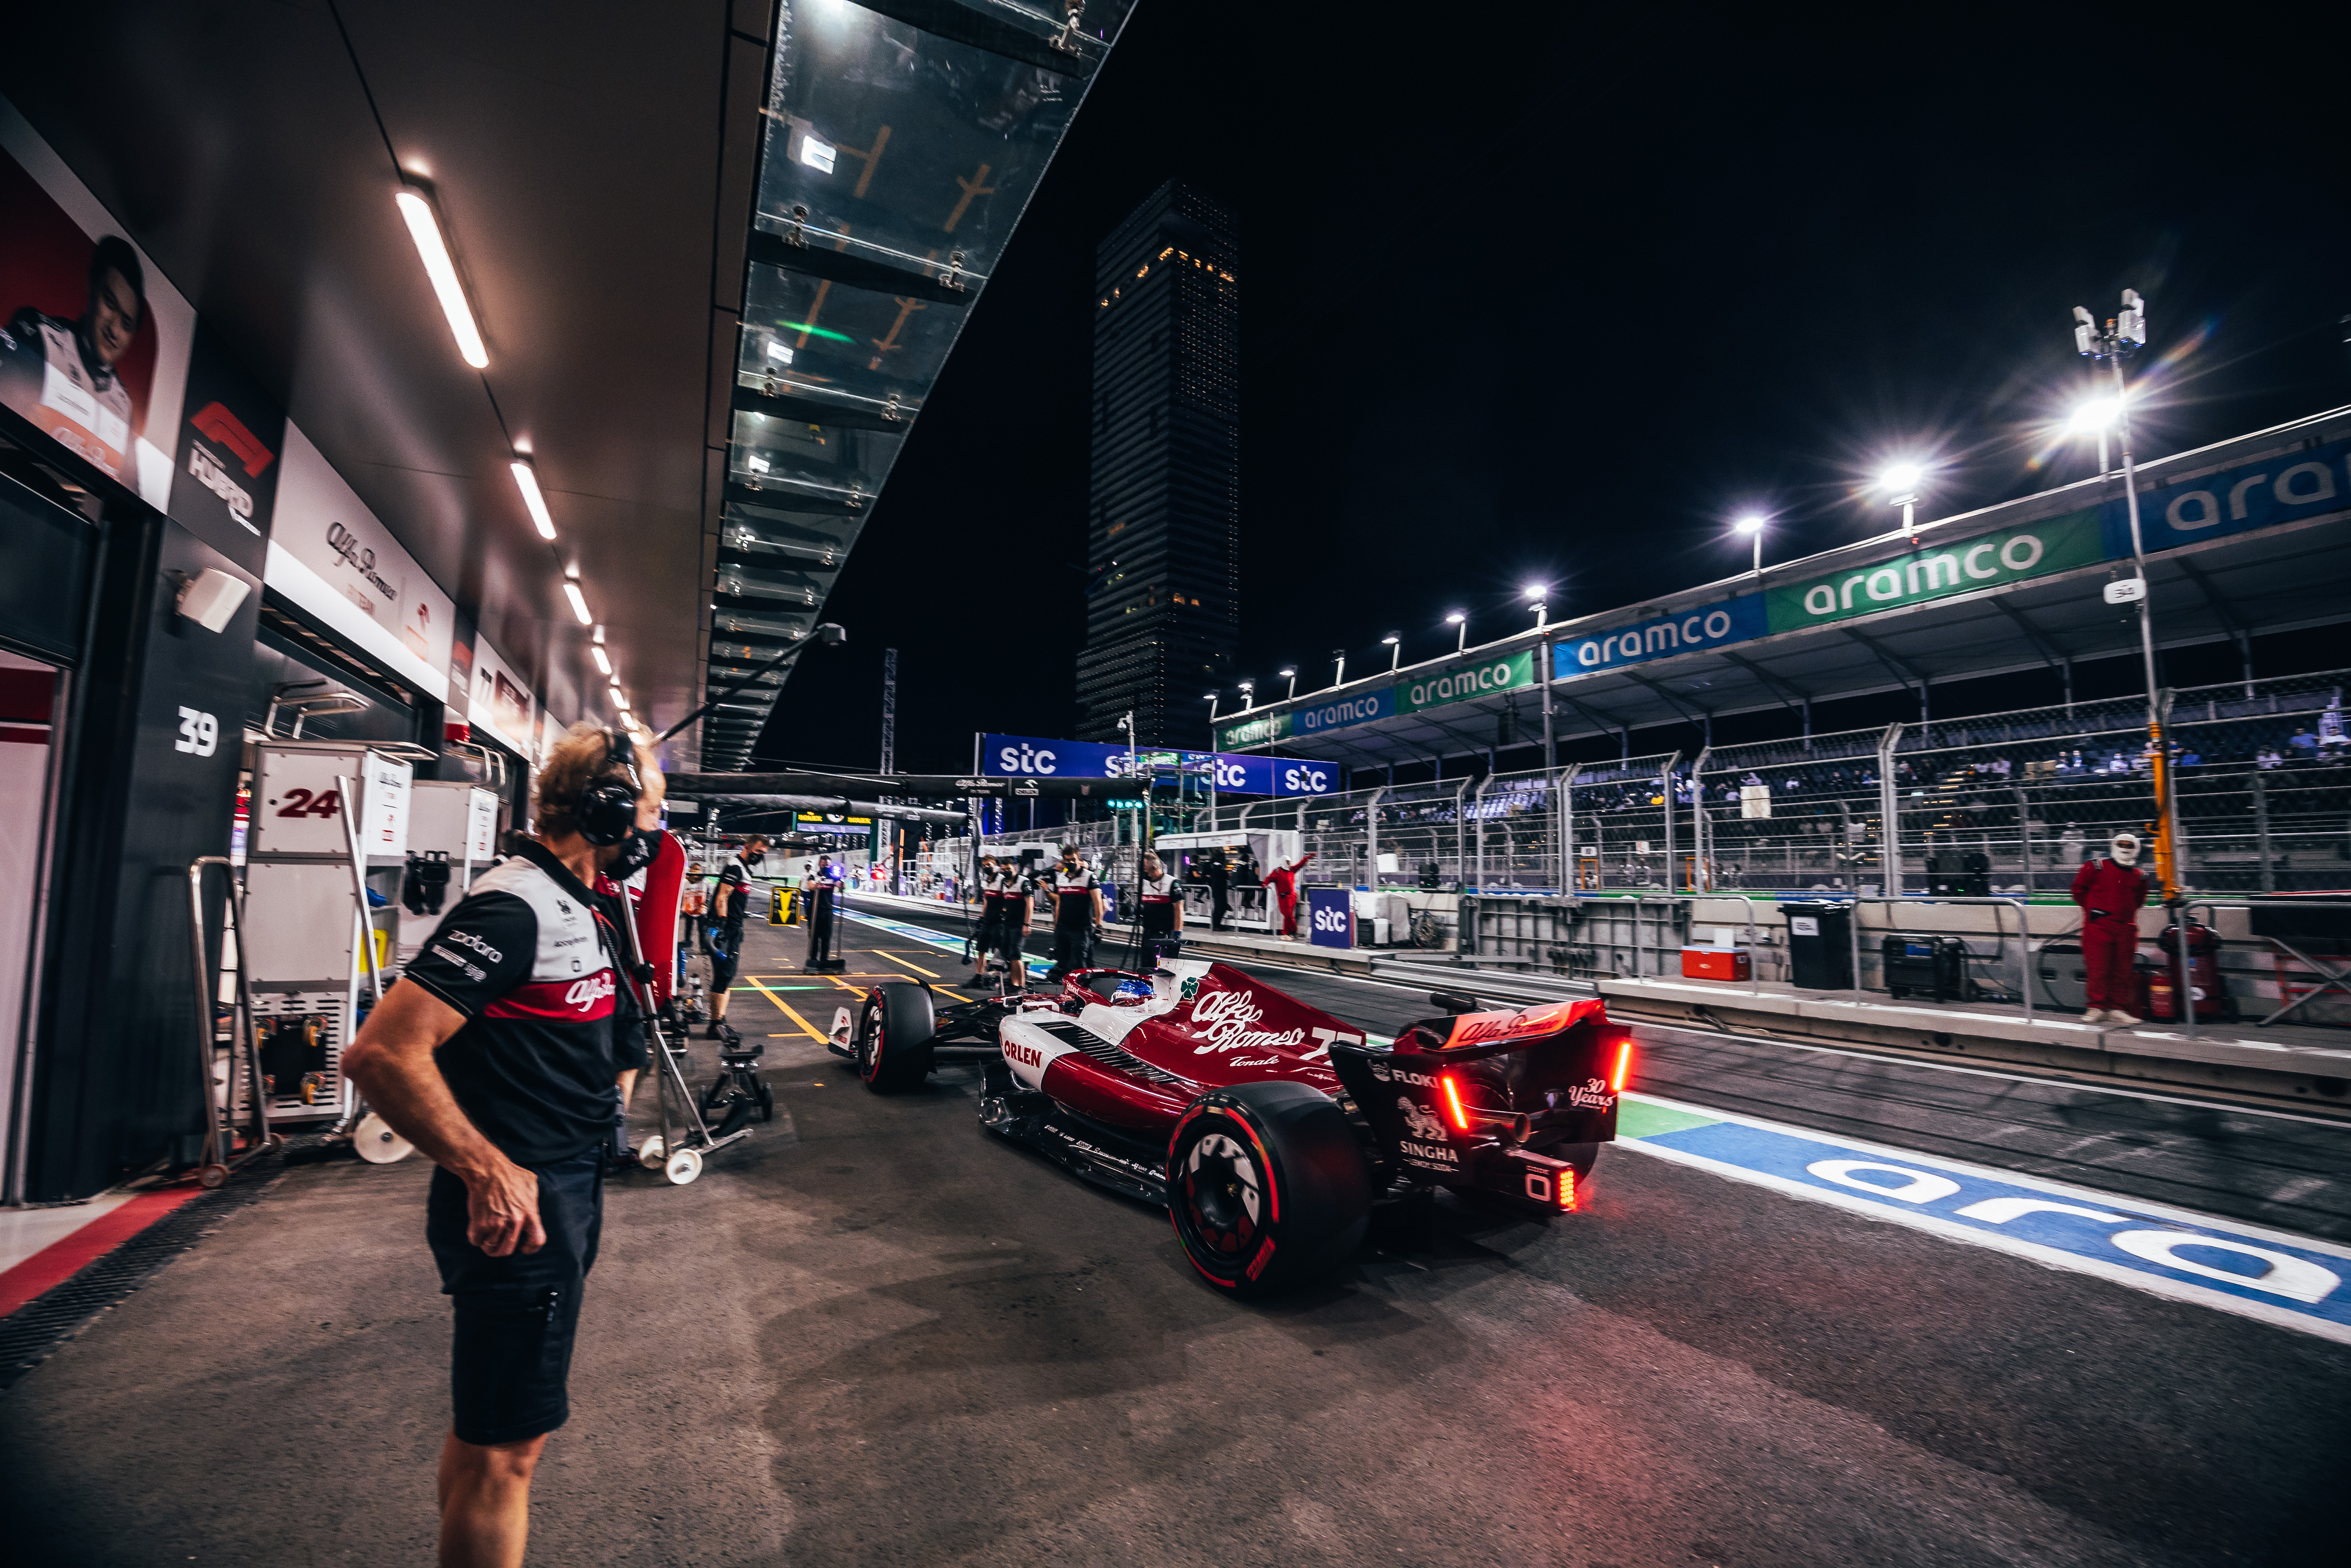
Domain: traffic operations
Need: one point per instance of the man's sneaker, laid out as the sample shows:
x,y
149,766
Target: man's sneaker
x,y
2095,1015
2117,1015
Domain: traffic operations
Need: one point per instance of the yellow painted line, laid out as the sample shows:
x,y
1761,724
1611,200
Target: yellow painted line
x,y
813,1033
806,1028
932,974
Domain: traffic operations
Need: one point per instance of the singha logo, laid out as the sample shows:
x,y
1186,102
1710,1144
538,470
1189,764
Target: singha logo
x,y
1420,1123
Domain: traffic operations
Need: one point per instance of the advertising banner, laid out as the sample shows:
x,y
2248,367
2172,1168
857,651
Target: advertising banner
x,y
1023,755
1940,571
1257,731
1330,917
354,575
1505,672
2308,483
1710,626
501,704
1341,712
94,342
225,484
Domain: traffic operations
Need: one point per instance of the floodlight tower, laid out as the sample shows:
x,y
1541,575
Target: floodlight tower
x,y
2122,336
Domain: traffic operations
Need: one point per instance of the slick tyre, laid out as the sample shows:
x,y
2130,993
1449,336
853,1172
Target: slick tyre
x,y
1265,1187
893,1045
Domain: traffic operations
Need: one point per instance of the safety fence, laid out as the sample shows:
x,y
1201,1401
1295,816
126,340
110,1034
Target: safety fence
x,y
2002,804
2006,805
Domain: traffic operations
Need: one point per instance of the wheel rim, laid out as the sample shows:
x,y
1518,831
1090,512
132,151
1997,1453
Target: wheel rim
x,y
1222,1201
874,1041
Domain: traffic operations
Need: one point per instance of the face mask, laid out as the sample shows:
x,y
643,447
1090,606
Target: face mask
x,y
753,857
636,852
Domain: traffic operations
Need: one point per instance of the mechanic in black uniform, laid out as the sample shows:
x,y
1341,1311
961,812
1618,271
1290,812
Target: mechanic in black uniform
x,y
1077,913
493,1055
987,894
1220,877
1160,911
1015,906
730,902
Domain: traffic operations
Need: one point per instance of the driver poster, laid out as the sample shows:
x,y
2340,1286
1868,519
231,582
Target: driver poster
x,y
94,342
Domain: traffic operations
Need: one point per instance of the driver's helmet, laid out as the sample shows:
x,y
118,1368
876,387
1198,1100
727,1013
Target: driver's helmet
x,y
1132,990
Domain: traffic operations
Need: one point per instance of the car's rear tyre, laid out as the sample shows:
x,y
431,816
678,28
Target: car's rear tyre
x,y
1267,1187
893,1042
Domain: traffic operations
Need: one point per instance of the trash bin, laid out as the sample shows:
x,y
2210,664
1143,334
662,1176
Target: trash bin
x,y
1819,945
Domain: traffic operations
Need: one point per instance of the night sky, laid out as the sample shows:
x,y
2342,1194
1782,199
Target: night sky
x,y
1524,307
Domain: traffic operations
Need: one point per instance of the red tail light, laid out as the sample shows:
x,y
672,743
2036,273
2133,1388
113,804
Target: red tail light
x,y
1455,1116
1624,1069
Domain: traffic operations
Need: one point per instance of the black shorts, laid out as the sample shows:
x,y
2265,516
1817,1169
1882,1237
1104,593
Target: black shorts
x,y
630,1052
722,969
516,1316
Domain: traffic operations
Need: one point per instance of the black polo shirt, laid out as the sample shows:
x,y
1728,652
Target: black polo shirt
x,y
529,961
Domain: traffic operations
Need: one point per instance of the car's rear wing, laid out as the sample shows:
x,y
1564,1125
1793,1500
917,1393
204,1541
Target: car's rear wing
x,y
1499,1100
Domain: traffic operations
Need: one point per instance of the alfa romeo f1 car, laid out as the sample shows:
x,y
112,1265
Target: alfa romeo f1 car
x,y
1265,1127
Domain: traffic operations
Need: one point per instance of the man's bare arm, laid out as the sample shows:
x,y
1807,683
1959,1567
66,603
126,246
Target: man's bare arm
x,y
392,1062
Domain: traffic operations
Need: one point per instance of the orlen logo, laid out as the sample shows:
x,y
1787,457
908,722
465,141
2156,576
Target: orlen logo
x,y
586,993
1025,759
1306,780
1023,1055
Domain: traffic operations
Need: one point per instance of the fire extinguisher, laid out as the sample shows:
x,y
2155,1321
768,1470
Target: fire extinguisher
x,y
2203,972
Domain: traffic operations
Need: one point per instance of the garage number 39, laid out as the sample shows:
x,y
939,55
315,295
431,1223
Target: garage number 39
x,y
199,733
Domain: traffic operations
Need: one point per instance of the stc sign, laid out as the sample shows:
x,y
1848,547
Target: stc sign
x,y
1027,756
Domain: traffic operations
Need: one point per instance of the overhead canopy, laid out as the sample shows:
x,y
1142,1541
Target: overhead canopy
x,y
903,138
2287,566
593,171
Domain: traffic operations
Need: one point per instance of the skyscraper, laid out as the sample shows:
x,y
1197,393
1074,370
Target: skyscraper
x,y
1163,529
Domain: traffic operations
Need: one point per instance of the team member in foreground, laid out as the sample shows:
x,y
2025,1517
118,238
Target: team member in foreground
x,y
495,1055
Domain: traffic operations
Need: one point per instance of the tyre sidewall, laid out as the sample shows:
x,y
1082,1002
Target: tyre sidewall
x,y
896,1053
1318,1191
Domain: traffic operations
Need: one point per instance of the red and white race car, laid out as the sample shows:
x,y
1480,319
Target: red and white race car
x,y
1266,1127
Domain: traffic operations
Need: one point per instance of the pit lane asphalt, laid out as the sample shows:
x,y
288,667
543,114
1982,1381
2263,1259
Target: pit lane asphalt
x,y
874,1334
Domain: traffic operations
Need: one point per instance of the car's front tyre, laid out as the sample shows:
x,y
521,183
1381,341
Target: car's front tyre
x,y
1267,1187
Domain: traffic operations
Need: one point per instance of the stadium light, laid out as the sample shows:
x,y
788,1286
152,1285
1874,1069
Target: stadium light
x,y
1461,618
1752,525
2096,415
2123,335
1339,675
1291,674
1395,650
1901,483
1249,694
1212,709
1538,597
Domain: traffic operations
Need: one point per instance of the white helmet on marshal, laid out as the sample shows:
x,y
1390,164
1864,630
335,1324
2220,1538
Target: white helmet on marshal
x,y
2126,849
